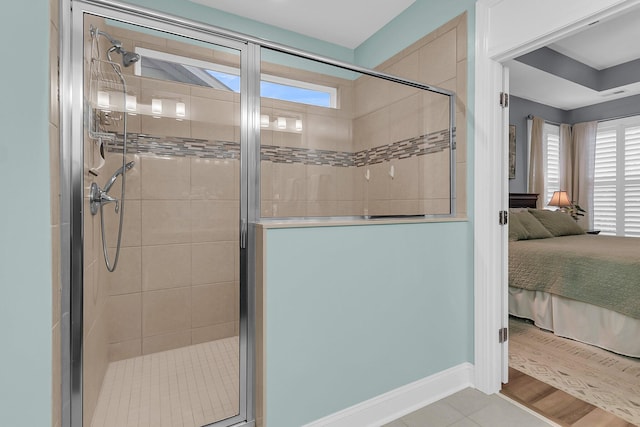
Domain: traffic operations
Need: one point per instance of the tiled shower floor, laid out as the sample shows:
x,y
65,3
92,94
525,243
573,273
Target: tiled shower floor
x,y
186,387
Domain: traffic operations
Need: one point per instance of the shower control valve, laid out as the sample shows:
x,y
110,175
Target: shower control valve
x,y
98,197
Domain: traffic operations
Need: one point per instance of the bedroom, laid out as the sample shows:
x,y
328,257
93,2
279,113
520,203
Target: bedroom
x,y
589,76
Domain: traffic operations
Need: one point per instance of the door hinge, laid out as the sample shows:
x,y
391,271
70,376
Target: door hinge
x,y
503,335
503,217
504,99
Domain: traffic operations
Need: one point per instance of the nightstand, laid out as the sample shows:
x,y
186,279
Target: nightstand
x,y
593,232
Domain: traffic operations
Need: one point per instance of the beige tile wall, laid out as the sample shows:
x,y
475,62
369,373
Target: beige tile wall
x,y
177,279
297,189
123,318
386,112
54,166
373,113
177,283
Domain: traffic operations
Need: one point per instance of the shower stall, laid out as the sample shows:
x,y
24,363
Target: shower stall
x,y
183,137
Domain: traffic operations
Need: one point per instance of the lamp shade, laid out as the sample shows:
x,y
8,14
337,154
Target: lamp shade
x,y
560,199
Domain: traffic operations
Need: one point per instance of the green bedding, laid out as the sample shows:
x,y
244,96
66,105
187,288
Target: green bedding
x,y
599,270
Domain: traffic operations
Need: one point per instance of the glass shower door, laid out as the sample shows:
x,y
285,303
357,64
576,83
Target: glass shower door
x,y
161,301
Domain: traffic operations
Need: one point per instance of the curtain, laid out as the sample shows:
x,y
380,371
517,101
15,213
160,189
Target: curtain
x,y
536,161
566,159
584,149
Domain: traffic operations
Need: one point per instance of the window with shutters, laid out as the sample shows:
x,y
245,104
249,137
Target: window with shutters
x,y
551,154
616,192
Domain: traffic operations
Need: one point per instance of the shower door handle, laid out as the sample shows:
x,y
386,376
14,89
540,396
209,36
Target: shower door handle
x,y
243,233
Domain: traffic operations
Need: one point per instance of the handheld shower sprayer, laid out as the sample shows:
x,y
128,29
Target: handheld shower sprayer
x,y
99,197
116,174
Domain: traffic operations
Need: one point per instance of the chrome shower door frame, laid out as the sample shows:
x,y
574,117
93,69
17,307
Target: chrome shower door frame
x,y
73,190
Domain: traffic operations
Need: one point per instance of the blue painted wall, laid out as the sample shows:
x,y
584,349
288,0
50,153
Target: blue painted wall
x,y
25,220
629,106
418,20
354,312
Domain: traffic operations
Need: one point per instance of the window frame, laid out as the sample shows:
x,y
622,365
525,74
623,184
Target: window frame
x,y
205,65
547,131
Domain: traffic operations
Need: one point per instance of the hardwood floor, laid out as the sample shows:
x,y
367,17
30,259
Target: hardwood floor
x,y
556,405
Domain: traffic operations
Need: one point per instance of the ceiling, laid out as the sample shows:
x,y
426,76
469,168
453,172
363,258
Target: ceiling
x,y
345,23
601,45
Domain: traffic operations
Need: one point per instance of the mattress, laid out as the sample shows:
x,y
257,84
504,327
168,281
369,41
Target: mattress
x,y
603,271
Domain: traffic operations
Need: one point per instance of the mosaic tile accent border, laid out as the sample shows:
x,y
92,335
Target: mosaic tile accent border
x,y
183,147
179,147
416,146
307,156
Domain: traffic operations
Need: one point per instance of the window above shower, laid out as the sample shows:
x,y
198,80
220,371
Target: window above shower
x,y
166,66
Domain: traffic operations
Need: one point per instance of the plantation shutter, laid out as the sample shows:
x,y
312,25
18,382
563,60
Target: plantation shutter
x,y
632,181
605,181
617,178
552,160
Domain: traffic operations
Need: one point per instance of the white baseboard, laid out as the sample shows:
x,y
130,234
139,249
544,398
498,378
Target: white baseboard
x,y
396,403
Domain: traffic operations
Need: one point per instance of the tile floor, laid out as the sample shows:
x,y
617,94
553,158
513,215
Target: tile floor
x,y
186,387
196,385
471,408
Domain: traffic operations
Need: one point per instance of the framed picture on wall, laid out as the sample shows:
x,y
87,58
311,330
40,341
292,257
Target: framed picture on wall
x,y
512,151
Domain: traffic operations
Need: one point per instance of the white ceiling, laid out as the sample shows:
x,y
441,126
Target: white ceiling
x,y
602,45
536,85
605,44
346,23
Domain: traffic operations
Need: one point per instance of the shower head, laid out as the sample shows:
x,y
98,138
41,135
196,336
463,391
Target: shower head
x,y
128,58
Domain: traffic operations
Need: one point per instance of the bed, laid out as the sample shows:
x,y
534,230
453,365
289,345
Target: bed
x,y
580,286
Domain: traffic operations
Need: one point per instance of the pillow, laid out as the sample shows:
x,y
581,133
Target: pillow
x,y
516,229
557,222
514,210
532,225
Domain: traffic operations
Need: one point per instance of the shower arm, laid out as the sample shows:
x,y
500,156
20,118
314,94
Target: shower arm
x,y
96,32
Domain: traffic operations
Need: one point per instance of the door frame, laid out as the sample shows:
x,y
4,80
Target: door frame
x,y
502,34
